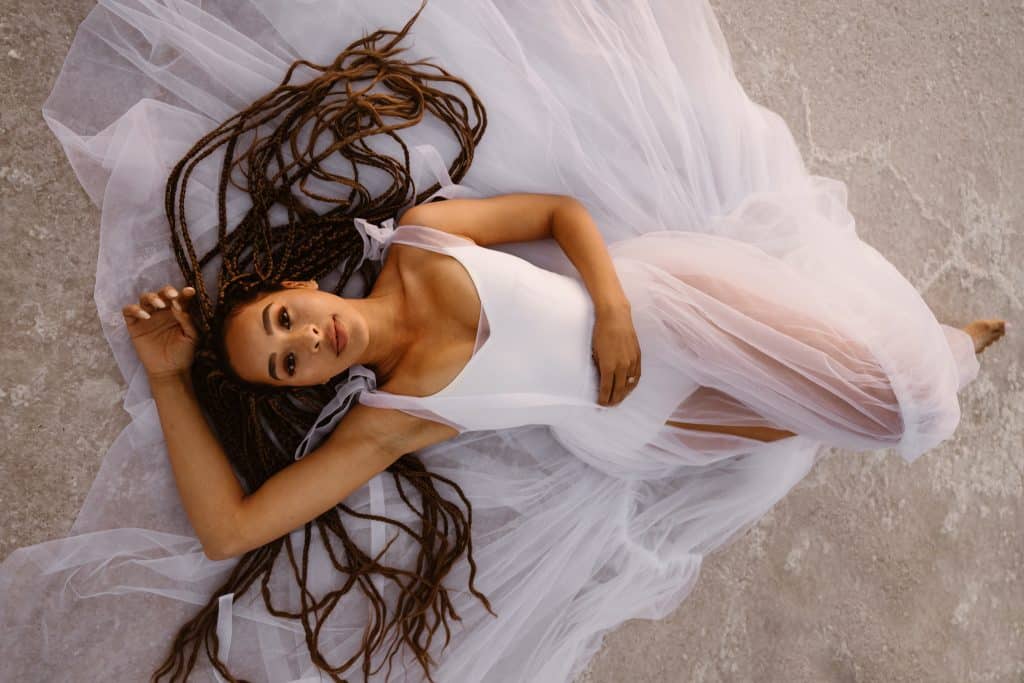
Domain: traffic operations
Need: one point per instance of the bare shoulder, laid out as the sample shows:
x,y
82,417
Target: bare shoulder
x,y
411,252
402,252
404,259
390,432
401,264
514,217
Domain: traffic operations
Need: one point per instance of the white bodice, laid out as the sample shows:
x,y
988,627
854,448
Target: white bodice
x,y
532,361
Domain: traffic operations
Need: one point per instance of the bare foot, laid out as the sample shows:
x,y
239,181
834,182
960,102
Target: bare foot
x,y
984,332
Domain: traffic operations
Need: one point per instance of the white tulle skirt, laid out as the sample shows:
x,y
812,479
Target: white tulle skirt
x,y
777,309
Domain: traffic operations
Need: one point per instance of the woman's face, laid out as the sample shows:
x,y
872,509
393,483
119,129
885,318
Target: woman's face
x,y
288,338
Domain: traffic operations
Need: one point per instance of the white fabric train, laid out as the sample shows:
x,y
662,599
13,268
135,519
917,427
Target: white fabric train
x,y
753,296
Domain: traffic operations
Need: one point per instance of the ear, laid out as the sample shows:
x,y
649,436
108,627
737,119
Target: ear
x,y
300,284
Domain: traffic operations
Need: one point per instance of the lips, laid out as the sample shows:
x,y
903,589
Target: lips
x,y
337,336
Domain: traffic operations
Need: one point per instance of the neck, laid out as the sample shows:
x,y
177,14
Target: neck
x,y
390,335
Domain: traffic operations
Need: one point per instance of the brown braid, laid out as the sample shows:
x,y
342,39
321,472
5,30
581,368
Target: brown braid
x,y
261,426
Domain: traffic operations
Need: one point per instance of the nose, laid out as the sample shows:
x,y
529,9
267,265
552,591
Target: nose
x,y
314,337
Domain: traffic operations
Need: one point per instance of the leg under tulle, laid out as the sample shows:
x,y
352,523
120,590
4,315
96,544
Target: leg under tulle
x,y
774,355
818,336
765,434
711,410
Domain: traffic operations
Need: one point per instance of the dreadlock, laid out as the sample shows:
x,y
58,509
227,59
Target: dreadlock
x,y
260,426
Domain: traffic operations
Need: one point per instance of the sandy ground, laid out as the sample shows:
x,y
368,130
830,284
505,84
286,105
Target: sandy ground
x,y
871,569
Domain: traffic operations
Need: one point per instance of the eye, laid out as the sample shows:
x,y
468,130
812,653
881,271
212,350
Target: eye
x,y
289,363
283,318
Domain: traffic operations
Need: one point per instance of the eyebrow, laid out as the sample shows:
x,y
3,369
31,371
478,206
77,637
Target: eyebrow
x,y
266,326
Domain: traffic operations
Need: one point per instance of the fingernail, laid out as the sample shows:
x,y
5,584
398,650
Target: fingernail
x,y
159,304
144,315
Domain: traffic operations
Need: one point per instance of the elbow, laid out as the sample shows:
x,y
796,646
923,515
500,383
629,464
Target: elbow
x,y
564,208
225,544
217,552
566,202
569,200
214,553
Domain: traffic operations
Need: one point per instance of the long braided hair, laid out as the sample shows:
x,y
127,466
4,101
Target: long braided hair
x,y
260,426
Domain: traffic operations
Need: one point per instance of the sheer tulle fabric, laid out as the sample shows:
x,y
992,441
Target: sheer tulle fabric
x,y
748,282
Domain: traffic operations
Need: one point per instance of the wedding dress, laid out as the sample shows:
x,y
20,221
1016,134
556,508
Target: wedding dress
x,y
754,300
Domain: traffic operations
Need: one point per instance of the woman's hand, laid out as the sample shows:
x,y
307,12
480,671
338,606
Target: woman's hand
x,y
162,331
617,354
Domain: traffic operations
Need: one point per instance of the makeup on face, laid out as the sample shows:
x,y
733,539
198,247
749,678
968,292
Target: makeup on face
x,y
333,335
305,338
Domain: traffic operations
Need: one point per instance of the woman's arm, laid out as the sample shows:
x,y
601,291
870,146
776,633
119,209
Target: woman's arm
x,y
523,217
584,245
364,444
208,488
229,523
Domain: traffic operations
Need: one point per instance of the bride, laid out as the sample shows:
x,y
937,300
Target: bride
x,y
422,312
609,408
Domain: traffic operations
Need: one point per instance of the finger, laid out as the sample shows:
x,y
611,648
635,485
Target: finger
x,y
168,292
634,372
178,304
157,301
624,386
134,312
185,321
151,301
616,382
604,393
187,297
620,384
